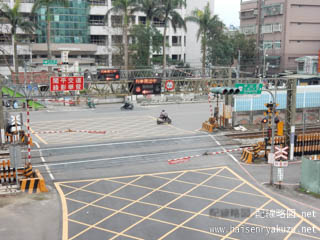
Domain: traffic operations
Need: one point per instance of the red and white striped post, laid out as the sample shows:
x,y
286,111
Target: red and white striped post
x,y
209,100
28,133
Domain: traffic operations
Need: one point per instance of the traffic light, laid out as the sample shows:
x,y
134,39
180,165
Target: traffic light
x,y
264,120
224,90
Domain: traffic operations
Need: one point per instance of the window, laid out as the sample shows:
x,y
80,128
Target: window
x,y
116,40
176,41
27,1
98,39
267,44
142,20
272,10
266,28
277,44
5,39
248,14
176,57
274,61
158,23
96,20
98,2
300,66
116,21
277,27
248,29
68,25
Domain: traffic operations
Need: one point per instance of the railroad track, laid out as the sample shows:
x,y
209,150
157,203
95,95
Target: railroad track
x,y
261,134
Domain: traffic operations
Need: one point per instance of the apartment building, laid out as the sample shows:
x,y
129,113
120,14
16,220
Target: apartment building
x,y
284,29
80,29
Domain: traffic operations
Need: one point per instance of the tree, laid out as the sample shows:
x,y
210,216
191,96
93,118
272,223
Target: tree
x,y
220,51
147,37
150,9
209,27
247,47
125,7
47,4
167,12
16,21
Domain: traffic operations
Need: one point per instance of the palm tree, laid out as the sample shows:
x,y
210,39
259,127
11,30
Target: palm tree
x,y
125,7
47,4
168,14
205,21
16,20
150,9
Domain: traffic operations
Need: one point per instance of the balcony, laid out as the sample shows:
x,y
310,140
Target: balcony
x,y
42,47
247,14
98,2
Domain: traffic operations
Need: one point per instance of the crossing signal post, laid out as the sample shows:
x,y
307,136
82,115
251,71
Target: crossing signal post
x,y
269,114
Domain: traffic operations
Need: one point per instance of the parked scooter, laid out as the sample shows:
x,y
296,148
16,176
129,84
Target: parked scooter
x,y
127,106
164,118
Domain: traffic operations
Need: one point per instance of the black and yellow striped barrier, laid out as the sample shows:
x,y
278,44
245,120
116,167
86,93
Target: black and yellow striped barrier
x,y
247,156
7,173
26,171
209,125
33,185
206,126
308,144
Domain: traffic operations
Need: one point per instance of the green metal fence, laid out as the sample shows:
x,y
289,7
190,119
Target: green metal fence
x,y
310,175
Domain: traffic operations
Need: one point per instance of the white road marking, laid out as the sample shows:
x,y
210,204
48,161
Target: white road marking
x,y
122,157
121,143
219,144
44,161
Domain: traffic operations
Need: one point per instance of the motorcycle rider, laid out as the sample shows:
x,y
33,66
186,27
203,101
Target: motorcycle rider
x,y
163,114
126,104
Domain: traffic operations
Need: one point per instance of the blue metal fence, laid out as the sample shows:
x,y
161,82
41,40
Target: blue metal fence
x,y
307,97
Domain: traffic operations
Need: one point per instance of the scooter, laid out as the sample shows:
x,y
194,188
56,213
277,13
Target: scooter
x,y
162,120
127,106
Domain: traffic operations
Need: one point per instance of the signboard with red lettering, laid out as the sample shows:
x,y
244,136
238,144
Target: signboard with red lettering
x,y
108,74
146,86
66,83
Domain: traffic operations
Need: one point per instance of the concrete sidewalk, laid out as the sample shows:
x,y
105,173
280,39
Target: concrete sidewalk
x,y
30,216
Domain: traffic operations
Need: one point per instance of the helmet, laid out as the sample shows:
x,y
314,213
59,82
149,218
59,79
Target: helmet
x,y
163,110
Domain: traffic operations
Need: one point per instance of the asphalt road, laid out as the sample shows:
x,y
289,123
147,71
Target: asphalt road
x,y
119,185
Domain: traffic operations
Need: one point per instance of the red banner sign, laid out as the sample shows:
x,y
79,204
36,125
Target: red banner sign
x,y
66,84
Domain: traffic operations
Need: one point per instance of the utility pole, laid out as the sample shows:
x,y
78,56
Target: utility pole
x,y
291,114
258,40
272,132
238,66
1,115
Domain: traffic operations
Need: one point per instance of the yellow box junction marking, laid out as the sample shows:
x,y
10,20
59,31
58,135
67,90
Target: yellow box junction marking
x,y
241,180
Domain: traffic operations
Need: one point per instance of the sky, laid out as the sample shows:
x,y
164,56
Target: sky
x,y
228,11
